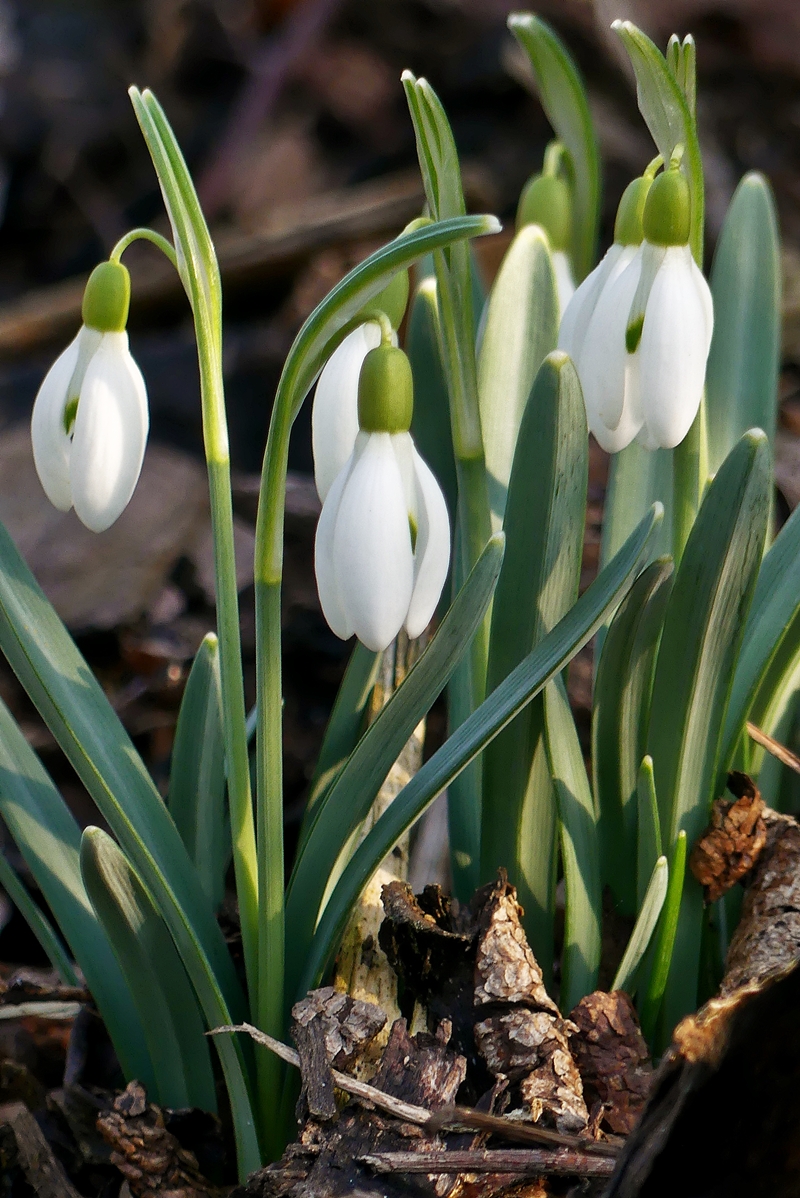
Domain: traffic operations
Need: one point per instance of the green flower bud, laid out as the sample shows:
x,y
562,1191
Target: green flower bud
x,y
667,209
107,298
385,391
628,228
546,200
392,300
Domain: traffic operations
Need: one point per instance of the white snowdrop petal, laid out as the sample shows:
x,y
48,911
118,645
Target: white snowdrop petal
x,y
324,566
704,291
110,434
334,415
673,351
372,545
603,360
50,440
432,550
579,310
565,284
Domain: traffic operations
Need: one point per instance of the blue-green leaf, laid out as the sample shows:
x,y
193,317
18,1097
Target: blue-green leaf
x,y
580,849
652,902
37,921
648,841
164,998
621,707
521,329
47,835
537,585
564,100
703,630
742,372
665,941
197,775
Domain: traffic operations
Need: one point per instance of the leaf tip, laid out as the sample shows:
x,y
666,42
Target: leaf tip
x,y
408,77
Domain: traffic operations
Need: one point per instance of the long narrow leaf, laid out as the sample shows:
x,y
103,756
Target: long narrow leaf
x,y
665,941
643,929
348,801
667,116
648,842
703,631
580,849
521,329
621,707
47,835
564,100
164,998
637,479
527,680
774,617
197,775
37,921
537,585
742,372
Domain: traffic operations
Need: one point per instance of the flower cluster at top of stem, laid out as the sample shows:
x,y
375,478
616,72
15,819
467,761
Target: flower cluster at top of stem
x,y
546,200
639,326
90,418
382,548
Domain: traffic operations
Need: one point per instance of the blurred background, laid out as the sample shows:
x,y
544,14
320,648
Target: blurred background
x,y
293,121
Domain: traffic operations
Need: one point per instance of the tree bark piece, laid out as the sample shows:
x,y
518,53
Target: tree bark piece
x,y
612,1058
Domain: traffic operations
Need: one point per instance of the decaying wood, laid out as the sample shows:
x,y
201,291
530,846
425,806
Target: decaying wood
x,y
517,1161
612,1058
732,843
349,1026
148,1156
725,1096
459,1118
767,937
24,1147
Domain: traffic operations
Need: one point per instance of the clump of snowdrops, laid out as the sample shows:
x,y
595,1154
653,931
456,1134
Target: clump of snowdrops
x,y
453,475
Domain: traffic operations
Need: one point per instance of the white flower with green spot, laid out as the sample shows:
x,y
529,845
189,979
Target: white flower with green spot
x,y
639,329
382,548
90,417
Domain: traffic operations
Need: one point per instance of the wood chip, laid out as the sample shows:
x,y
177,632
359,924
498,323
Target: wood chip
x,y
348,1024
731,844
34,1156
505,968
612,1058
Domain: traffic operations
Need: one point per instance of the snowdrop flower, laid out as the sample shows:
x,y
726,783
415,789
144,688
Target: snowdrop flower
x,y
606,379
640,337
383,540
546,200
90,419
334,415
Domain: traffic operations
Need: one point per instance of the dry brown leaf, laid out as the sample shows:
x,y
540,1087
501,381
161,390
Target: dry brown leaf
x,y
731,844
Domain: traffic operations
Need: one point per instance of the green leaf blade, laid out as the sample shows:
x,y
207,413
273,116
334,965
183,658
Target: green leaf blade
x,y
743,364
652,903
564,100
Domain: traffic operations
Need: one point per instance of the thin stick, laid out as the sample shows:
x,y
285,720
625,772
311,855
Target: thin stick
x,y
457,1118
385,1102
774,747
508,1160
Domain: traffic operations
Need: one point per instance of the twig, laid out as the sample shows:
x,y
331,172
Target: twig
x,y
508,1160
378,1098
459,1118
774,747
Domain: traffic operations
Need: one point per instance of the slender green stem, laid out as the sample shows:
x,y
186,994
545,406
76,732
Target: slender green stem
x,y
166,247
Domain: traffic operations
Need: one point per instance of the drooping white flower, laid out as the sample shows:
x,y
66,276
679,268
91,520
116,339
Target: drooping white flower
x,y
334,414
383,540
639,328
90,418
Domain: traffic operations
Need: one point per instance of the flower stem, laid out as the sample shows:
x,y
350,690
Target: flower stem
x,y
163,244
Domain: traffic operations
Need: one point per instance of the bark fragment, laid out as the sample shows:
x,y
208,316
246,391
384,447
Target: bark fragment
x,y
349,1026
733,841
612,1058
24,1149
